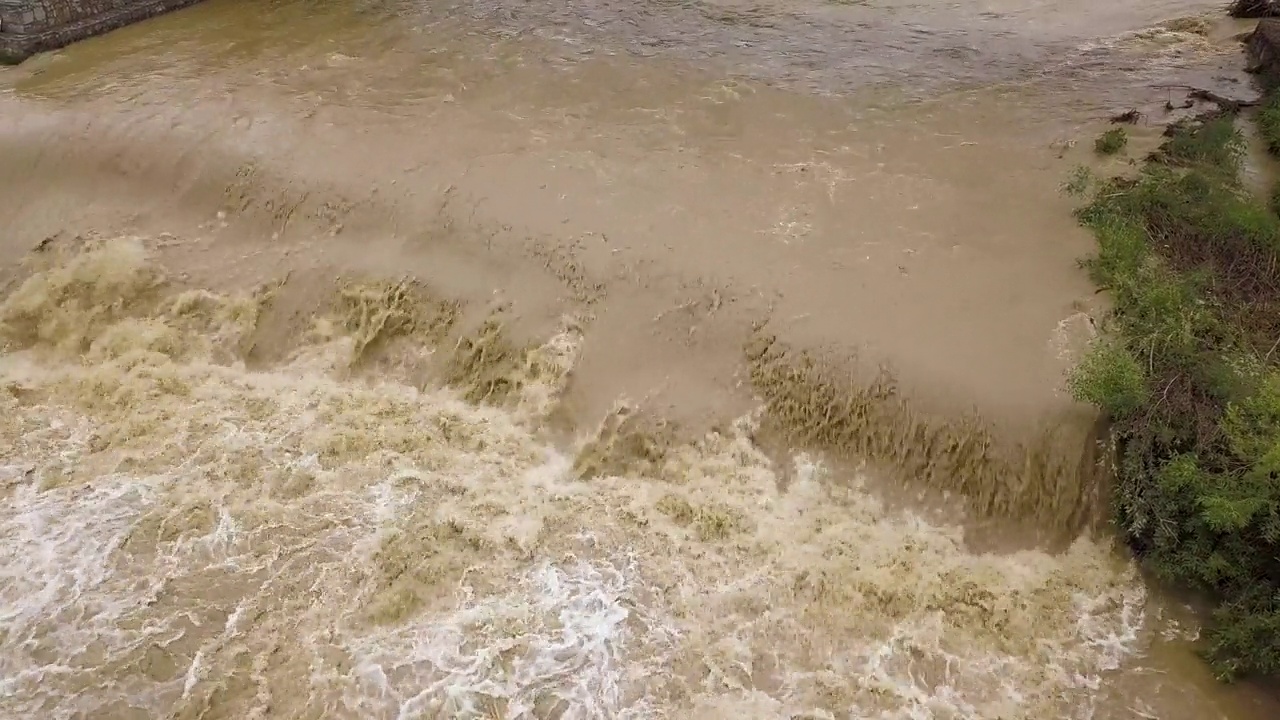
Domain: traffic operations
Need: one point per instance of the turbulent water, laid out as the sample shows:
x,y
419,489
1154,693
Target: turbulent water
x,y
186,536
396,361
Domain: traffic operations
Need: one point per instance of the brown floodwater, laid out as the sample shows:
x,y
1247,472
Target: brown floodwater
x,y
497,359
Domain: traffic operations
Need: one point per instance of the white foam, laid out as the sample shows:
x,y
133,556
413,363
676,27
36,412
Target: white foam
x,y
178,535
560,637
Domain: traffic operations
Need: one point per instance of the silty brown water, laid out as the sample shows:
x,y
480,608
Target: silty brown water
x,y
407,361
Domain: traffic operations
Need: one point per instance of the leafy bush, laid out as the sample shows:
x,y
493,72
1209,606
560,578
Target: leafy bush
x,y
1111,141
1209,144
1269,123
1113,379
1190,376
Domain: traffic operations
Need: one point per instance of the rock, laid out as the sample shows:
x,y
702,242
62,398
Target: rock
x,y
1254,8
1263,49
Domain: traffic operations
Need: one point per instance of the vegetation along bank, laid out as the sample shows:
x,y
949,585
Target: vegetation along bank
x,y
1188,369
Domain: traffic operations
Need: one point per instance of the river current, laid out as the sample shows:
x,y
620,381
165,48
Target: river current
x,y
596,359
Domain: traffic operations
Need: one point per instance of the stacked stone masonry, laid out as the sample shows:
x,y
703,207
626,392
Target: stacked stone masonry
x,y
31,26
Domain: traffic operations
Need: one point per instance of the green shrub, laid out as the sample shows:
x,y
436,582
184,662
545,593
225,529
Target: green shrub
x,y
1269,123
1210,144
1078,184
1111,141
1111,378
1190,376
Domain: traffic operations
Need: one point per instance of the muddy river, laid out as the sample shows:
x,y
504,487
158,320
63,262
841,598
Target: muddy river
x,y
589,359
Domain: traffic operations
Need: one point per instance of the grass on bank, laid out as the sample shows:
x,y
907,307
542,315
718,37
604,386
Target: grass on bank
x,y
1189,374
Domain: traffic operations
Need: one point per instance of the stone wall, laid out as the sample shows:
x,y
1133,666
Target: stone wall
x,y
31,26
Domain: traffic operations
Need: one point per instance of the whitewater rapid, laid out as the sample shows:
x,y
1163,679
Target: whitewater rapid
x,y
184,536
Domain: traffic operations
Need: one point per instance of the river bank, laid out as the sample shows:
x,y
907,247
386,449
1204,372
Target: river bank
x,y
28,27
1185,372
